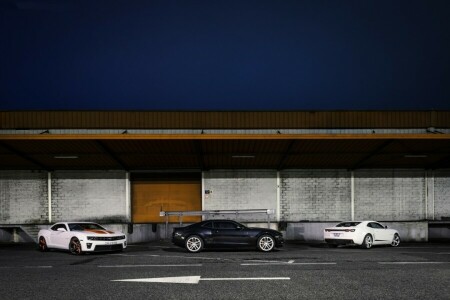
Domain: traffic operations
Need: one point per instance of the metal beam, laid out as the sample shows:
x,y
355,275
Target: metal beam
x,y
225,137
24,156
285,155
108,151
199,150
367,157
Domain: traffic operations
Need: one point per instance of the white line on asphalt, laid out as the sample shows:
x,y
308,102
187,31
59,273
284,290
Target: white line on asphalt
x,y
141,266
175,256
284,264
413,262
196,279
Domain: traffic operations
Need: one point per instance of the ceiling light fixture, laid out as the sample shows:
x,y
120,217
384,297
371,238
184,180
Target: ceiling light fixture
x,y
65,156
415,155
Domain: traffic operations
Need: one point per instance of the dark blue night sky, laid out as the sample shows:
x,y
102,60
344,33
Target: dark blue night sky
x,y
224,55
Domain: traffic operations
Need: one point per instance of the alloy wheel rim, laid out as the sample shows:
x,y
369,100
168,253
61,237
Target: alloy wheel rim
x,y
42,243
266,243
194,244
369,242
396,241
75,247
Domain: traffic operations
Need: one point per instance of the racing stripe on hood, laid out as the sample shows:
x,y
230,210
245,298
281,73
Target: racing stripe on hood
x,y
98,231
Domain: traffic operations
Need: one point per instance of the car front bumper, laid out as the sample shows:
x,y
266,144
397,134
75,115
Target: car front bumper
x,y
103,246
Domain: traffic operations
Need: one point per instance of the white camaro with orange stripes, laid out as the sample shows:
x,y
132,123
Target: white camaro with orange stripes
x,y
79,237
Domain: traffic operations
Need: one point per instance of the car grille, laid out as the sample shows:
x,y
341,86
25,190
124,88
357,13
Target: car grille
x,y
106,238
100,248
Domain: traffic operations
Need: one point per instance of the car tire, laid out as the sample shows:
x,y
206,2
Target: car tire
x,y
42,244
395,240
75,246
367,242
265,243
194,244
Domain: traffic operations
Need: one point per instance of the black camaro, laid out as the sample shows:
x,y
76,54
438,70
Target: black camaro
x,y
225,233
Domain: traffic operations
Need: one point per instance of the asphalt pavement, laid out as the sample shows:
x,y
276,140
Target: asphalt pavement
x,y
160,270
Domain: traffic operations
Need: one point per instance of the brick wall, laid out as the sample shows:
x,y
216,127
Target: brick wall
x,y
241,189
23,197
442,194
89,196
315,195
390,195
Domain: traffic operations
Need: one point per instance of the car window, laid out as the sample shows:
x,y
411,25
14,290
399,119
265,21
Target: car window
x,y
225,225
84,226
208,225
369,225
377,225
55,227
348,224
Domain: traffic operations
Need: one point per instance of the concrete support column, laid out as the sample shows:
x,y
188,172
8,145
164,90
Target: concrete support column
x,y
278,196
49,197
429,195
128,196
352,194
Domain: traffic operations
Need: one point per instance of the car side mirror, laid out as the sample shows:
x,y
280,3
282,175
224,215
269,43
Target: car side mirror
x,y
61,229
385,227
239,228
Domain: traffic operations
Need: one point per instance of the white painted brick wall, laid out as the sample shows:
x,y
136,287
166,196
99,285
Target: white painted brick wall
x,y
315,195
442,194
390,195
23,197
241,189
89,196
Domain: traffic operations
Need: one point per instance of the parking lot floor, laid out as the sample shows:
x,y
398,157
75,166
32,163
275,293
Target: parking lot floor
x,y
160,270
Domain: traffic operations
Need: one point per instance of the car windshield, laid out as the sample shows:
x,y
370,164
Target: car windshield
x,y
348,224
84,226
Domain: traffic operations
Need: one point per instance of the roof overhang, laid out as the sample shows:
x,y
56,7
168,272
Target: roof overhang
x,y
223,151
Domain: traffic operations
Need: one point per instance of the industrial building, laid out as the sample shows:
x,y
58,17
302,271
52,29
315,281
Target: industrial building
x,y
312,168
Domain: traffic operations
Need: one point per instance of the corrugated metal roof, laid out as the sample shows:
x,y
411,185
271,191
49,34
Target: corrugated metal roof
x,y
222,120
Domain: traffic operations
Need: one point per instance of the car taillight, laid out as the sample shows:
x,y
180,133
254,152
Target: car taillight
x,y
349,230
327,230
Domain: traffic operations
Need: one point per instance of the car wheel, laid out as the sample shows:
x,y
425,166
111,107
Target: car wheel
x,y
368,242
332,245
194,244
42,244
75,246
395,241
266,243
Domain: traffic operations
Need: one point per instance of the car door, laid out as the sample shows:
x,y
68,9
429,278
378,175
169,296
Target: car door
x,y
381,234
228,233
59,236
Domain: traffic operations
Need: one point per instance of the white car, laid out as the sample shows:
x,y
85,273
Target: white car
x,y
364,233
79,237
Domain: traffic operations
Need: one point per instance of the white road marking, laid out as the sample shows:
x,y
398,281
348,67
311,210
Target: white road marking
x,y
143,266
29,267
412,262
196,279
174,256
287,263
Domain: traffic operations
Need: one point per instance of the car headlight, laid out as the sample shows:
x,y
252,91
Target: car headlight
x,y
177,234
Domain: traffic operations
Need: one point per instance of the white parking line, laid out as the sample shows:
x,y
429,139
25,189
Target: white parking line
x,y
144,266
412,262
286,264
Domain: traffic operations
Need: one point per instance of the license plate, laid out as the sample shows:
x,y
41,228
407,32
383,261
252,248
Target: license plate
x,y
337,234
110,243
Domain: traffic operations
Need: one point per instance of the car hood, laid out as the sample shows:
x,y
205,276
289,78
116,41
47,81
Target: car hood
x,y
100,232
